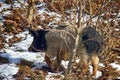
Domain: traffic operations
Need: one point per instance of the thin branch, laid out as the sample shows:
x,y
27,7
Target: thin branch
x,y
116,49
73,53
31,11
22,5
91,9
100,12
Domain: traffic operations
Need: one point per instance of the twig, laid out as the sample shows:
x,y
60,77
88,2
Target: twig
x,y
73,53
100,12
22,5
116,49
31,12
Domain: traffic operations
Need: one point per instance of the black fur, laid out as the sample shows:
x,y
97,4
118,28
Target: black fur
x,y
39,41
92,40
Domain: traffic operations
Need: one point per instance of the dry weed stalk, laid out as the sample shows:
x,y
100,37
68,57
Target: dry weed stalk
x,y
79,25
31,11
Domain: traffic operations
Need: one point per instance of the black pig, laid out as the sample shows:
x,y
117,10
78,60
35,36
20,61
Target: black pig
x,y
58,45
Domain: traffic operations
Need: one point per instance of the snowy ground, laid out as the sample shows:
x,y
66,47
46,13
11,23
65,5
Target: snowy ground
x,y
14,56
19,51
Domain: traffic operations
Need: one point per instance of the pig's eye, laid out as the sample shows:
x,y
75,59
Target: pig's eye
x,y
85,37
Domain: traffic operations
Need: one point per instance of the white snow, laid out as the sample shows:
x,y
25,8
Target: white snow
x,y
4,6
99,73
117,29
8,70
14,55
101,64
24,44
65,64
114,65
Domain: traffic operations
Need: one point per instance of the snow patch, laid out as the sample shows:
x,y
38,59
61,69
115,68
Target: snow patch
x,y
98,74
114,65
15,57
24,44
8,70
65,64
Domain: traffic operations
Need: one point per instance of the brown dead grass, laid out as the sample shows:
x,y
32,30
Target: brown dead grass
x,y
27,72
15,23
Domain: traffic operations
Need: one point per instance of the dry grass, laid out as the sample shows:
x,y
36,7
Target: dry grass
x,y
27,72
105,24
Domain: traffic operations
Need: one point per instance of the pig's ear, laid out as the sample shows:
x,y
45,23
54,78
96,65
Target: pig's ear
x,y
32,32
